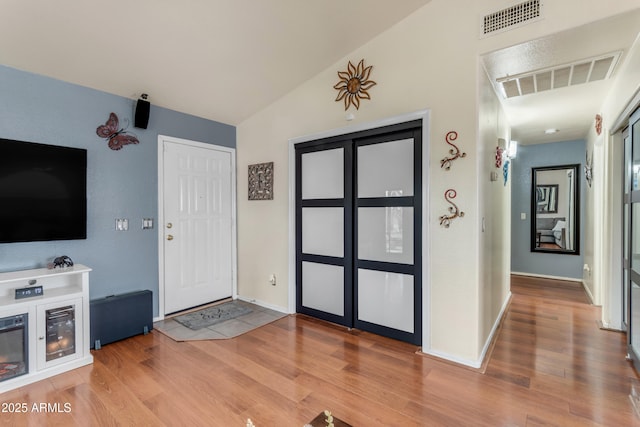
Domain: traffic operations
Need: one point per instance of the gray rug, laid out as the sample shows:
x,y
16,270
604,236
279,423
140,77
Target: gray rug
x,y
212,315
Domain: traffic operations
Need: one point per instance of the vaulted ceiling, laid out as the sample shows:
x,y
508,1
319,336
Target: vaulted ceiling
x,y
227,59
219,59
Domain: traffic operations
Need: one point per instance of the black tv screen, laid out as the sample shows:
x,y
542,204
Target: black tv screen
x,y
43,192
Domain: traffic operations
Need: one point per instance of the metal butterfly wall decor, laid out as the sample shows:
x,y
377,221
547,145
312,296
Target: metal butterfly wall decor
x,y
118,138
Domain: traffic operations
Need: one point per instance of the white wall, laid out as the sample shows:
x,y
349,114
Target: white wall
x,y
429,60
605,278
495,205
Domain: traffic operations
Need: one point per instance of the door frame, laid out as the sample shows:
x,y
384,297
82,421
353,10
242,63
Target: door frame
x,y
423,115
160,227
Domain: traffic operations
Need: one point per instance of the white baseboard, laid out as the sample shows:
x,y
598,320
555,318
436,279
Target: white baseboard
x,y
496,325
476,364
587,291
546,276
264,304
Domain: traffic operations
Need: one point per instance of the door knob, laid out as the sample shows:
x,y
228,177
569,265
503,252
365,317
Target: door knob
x,y
169,225
169,237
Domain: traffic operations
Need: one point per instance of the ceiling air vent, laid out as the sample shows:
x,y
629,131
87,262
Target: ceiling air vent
x,y
579,72
511,17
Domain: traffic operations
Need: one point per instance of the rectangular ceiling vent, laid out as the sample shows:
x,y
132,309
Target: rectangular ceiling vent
x,y
576,73
511,17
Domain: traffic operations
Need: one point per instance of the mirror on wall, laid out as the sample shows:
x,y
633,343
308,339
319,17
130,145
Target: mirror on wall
x,y
555,209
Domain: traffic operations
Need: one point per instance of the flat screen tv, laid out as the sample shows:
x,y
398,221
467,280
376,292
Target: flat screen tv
x,y
43,192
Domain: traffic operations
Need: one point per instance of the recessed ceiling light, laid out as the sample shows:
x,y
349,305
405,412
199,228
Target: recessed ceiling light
x,y
551,131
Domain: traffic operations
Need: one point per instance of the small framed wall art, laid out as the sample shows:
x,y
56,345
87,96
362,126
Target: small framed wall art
x,y
261,181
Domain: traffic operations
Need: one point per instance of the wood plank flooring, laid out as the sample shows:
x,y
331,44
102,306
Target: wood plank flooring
x,y
551,366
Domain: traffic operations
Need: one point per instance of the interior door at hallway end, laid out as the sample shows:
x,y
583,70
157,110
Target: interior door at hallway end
x,y
198,225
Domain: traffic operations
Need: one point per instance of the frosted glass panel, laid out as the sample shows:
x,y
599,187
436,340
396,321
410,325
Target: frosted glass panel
x,y
386,169
386,234
323,287
386,299
323,231
323,174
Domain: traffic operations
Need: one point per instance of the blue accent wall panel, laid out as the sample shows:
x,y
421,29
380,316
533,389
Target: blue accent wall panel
x,y
538,155
120,184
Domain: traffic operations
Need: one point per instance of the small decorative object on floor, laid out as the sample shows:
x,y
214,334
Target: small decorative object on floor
x,y
324,419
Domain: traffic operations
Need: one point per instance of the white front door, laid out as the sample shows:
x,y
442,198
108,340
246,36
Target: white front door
x,y
198,223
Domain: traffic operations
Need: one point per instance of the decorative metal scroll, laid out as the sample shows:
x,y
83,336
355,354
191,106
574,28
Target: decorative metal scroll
x,y
455,151
454,212
588,168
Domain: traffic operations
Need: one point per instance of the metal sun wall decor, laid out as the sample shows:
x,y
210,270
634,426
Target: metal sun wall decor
x,y
454,212
117,138
455,151
354,85
261,181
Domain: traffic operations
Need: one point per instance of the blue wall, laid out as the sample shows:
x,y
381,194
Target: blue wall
x,y
120,184
522,259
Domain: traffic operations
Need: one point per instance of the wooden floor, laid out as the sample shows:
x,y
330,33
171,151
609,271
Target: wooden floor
x,y
551,366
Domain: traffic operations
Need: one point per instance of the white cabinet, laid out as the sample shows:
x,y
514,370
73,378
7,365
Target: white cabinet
x,y
57,328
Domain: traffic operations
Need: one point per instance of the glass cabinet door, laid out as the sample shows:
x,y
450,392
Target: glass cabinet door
x,y
59,334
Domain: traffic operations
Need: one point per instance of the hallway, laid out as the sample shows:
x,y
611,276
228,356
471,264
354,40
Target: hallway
x,y
550,345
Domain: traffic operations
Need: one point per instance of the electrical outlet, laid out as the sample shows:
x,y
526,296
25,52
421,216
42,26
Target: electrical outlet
x,y
272,279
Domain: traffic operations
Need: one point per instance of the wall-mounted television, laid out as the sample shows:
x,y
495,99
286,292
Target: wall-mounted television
x,y
43,192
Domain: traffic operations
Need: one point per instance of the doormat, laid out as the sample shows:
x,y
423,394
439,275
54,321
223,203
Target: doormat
x,y
212,315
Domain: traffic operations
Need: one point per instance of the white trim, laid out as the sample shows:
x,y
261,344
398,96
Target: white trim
x,y
623,119
423,115
273,307
566,279
496,325
546,276
234,219
476,363
587,291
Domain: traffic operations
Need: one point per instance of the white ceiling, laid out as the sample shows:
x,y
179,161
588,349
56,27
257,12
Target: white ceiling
x,y
572,109
218,59
227,59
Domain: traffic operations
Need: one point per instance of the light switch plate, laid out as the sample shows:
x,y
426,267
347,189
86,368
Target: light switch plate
x,y
122,224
